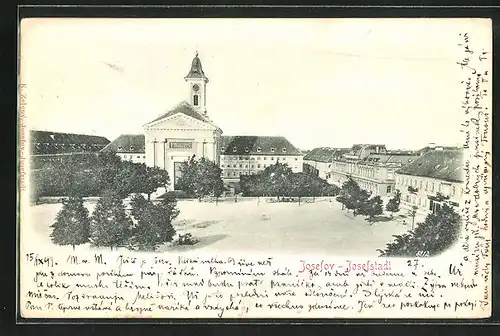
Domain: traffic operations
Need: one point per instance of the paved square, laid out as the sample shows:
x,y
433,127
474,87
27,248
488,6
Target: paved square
x,y
259,227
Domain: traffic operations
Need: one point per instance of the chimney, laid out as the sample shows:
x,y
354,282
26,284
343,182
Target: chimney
x,y
439,148
432,145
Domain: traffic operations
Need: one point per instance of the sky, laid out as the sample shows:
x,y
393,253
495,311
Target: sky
x,y
319,82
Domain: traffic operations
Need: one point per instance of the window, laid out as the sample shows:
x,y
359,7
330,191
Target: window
x,y
222,166
234,149
241,166
284,150
234,173
246,166
272,158
389,189
119,148
241,157
247,149
138,156
272,149
265,158
259,149
258,166
426,186
222,149
296,159
144,156
252,166
195,100
421,184
453,191
131,148
234,166
432,186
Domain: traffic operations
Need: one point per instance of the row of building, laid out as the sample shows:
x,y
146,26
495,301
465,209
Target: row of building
x,y
186,130
426,178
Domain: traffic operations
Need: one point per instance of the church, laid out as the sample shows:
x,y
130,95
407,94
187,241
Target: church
x,y
187,130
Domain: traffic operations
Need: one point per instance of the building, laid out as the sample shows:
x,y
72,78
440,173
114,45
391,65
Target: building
x,y
246,155
373,167
436,171
129,147
318,162
48,146
186,130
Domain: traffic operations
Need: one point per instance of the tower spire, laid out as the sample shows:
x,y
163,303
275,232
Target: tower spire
x,y
197,82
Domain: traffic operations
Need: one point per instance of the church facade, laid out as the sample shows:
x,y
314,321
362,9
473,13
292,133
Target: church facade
x,y
186,130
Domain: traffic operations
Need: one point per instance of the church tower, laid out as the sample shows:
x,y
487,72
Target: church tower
x,y
197,83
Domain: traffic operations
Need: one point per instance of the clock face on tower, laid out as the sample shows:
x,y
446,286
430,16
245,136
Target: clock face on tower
x,y
196,88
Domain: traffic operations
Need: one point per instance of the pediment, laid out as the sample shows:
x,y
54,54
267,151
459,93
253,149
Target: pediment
x,y
180,121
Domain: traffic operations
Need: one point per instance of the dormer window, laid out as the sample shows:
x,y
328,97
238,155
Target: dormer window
x,y
259,149
247,150
272,149
119,148
234,149
131,148
284,150
222,149
195,100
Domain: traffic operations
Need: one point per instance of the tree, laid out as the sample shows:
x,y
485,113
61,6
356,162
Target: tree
x,y
352,196
437,233
72,223
109,224
155,178
137,204
371,208
277,178
201,178
393,203
107,169
155,224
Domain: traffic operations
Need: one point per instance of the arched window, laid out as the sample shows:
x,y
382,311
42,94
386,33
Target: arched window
x,y
195,100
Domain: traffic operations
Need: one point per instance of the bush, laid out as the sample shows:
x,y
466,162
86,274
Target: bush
x,y
186,239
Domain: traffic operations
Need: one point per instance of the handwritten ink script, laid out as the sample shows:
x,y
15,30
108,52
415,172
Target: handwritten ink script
x,y
103,285
474,62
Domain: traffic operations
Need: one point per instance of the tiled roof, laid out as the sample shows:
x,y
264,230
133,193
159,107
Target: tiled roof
x,y
196,70
127,143
45,142
439,164
402,158
427,149
255,145
325,154
185,108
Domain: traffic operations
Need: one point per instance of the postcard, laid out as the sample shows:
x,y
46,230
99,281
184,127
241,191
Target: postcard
x,y
255,168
